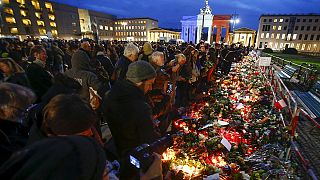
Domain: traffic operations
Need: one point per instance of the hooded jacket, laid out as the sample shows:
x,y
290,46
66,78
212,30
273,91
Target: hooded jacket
x,y
81,72
147,51
129,116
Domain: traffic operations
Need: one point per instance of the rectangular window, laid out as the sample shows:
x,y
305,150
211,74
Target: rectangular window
x,y
281,45
42,31
294,37
308,28
310,20
314,28
8,10
106,28
264,20
281,20
285,28
270,20
48,6
298,20
287,20
23,13
309,47
100,27
260,45
311,37
304,20
26,22
267,35
10,20
111,28
279,28
305,36
262,35
289,37
318,37
283,36
40,23
275,20
21,1
278,36
36,4
274,27
298,46
51,17
316,20
53,24
302,28
54,32
300,36
14,30
296,28
272,36
38,15
292,45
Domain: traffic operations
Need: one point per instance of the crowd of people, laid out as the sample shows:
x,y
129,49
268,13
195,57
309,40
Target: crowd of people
x,y
56,94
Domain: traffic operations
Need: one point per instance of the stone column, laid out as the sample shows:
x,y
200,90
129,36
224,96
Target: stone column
x,y
209,34
218,33
199,34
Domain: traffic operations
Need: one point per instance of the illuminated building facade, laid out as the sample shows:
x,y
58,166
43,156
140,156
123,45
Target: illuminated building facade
x,y
158,34
134,29
280,31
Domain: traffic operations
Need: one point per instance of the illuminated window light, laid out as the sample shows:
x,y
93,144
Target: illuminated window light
x,y
26,22
23,13
53,24
10,20
8,11
14,30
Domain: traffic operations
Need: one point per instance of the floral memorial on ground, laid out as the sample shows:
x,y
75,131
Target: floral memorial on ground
x,y
233,132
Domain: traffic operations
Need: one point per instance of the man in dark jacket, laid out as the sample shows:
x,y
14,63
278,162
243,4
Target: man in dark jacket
x,y
81,72
130,55
128,114
40,79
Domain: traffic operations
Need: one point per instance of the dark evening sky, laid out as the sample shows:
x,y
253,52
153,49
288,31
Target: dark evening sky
x,y
169,12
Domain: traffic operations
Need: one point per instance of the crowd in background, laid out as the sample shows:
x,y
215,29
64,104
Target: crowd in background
x,y
55,95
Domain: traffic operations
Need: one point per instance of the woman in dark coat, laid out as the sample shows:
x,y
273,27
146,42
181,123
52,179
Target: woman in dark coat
x,y
13,72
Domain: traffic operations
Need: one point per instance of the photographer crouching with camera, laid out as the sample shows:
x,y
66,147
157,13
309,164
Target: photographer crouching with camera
x,y
129,116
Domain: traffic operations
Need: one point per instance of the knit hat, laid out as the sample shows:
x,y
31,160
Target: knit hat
x,y
147,48
140,71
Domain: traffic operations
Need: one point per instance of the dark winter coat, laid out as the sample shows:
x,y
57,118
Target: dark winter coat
x,y
122,67
19,78
129,116
13,137
40,79
80,71
106,63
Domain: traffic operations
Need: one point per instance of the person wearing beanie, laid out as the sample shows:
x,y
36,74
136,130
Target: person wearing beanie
x,y
128,114
147,51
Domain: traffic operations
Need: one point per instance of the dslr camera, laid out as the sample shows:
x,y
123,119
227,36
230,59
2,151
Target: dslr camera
x,y
141,157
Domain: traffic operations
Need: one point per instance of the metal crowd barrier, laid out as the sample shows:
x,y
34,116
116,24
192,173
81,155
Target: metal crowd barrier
x,y
290,114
